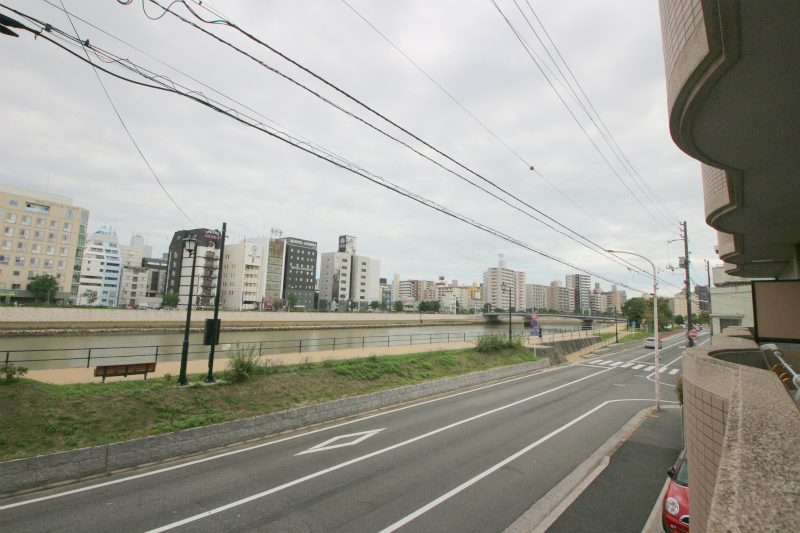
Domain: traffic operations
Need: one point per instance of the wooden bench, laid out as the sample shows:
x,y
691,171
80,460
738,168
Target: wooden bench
x,y
132,369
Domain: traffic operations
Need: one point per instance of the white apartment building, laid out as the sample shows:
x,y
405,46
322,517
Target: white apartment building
x,y
346,277
101,270
504,287
241,276
678,305
536,296
453,298
142,275
582,285
43,233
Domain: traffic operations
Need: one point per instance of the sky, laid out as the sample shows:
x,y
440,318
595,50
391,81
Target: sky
x,y
453,74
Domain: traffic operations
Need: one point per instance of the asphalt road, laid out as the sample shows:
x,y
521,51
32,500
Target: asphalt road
x,y
475,460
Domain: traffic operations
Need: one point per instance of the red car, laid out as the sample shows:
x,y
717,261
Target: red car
x,y
675,511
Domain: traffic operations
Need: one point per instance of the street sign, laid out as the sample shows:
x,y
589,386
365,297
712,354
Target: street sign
x,y
694,334
534,323
633,324
534,316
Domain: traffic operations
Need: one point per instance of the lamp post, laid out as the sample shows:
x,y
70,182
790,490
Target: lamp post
x,y
190,245
503,286
655,325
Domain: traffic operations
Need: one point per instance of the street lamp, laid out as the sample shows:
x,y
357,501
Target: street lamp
x,y
190,245
655,325
503,286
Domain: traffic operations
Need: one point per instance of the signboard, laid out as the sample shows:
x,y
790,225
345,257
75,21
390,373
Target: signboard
x,y
633,324
534,316
534,323
694,334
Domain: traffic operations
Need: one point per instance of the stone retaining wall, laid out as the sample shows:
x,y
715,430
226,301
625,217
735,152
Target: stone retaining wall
x,y
34,472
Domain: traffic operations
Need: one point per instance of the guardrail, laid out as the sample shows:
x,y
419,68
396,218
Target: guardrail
x,y
79,357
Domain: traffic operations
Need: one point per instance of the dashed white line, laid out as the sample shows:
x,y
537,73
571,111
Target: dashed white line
x,y
637,367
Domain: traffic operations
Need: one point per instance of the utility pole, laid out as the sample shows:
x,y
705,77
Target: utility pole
x,y
685,265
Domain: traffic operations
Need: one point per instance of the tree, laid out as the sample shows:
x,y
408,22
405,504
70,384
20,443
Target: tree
x,y
486,307
374,305
382,305
635,309
398,306
679,319
291,299
353,306
91,296
702,318
170,299
44,288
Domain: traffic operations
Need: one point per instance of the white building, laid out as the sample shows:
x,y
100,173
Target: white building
x,y
142,276
241,276
346,277
101,270
536,296
504,287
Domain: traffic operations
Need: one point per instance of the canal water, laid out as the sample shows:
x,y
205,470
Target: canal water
x,y
71,351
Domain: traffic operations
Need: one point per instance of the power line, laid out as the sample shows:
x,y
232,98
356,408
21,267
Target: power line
x,y
162,83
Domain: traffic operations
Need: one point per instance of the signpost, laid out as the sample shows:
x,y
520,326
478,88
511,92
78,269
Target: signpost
x,y
694,334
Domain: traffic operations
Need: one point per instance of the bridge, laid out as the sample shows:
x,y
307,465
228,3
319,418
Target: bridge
x,y
587,320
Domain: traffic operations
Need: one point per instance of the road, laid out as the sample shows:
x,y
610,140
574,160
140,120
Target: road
x,y
474,460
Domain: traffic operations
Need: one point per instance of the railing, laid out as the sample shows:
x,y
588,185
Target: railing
x,y
78,357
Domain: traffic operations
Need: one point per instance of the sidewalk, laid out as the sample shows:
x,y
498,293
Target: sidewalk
x,y
625,496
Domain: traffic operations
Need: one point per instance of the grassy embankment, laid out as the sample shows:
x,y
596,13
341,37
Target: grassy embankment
x,y
39,418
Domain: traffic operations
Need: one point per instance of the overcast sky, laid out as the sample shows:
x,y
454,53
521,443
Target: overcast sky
x,y
60,133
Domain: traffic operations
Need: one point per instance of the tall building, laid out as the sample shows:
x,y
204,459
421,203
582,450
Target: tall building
x,y
345,277
300,271
536,296
582,285
206,259
43,233
143,276
101,270
504,287
241,272
560,298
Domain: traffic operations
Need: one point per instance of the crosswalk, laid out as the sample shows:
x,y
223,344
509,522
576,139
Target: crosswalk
x,y
633,365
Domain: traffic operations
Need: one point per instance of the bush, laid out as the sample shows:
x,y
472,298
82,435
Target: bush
x,y
679,390
11,372
243,362
494,343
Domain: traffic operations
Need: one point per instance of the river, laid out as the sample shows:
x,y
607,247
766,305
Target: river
x,y
41,352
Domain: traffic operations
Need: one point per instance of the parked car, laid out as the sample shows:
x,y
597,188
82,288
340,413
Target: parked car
x,y
651,343
675,510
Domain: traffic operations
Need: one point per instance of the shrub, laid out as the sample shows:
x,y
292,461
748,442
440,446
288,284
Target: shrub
x,y
10,372
494,343
679,390
242,362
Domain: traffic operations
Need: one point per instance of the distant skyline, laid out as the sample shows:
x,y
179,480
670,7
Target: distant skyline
x,y
61,134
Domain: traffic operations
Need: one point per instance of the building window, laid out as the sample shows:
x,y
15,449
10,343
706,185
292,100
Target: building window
x,y
20,262
11,218
69,216
32,274
40,222
37,249
54,224
22,247
52,237
68,226
6,245
63,252
38,235
50,250
26,220
4,259
24,233
13,202
8,231
62,265
34,262
48,263
16,286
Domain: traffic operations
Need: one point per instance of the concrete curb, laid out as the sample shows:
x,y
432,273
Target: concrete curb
x,y
34,472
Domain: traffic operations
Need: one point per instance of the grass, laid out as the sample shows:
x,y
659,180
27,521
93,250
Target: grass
x,y
39,418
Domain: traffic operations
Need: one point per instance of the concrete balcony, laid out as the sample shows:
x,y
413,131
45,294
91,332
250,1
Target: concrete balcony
x,y
742,428
732,70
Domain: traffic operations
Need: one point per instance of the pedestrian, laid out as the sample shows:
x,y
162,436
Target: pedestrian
x,y
540,332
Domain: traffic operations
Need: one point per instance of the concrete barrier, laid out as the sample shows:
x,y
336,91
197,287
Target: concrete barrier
x,y
22,474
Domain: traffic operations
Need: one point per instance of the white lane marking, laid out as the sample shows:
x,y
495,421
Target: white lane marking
x,y
637,367
674,371
626,365
352,440
319,473
263,444
616,363
649,368
422,510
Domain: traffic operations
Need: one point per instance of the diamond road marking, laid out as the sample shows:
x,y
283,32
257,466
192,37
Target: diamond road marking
x,y
354,438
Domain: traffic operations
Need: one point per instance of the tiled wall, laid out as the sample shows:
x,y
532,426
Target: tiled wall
x,y
705,419
678,21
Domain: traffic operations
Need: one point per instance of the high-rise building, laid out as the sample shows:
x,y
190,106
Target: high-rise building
x,y
43,233
206,260
536,296
560,298
101,270
143,276
241,272
345,277
582,285
300,271
504,287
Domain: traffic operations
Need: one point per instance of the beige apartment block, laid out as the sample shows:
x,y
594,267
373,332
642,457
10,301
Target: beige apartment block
x,y
43,233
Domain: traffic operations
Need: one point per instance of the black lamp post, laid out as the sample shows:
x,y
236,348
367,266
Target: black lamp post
x,y
503,286
190,245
